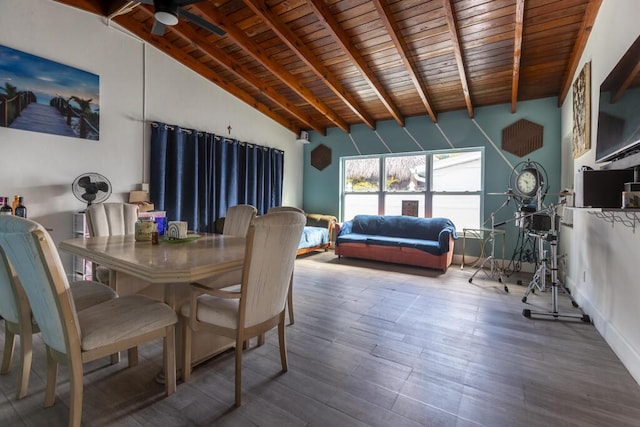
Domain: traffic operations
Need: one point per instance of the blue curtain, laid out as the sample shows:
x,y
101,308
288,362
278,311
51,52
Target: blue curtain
x,y
195,176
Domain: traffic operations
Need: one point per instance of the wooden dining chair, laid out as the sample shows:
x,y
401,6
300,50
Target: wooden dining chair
x,y
110,219
74,337
15,309
259,306
236,223
290,293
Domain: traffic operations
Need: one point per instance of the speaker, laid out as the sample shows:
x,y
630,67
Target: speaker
x,y
601,188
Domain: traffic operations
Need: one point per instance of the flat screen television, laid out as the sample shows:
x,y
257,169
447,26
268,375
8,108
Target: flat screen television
x,y
619,109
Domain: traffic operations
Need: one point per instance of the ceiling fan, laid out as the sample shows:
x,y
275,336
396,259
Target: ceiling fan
x,y
168,11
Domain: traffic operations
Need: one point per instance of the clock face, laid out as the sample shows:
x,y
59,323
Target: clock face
x,y
527,182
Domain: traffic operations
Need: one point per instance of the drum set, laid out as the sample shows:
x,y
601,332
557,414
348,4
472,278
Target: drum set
x,y
540,223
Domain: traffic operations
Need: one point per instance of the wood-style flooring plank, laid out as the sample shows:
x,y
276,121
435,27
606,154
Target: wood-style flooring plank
x,y
373,345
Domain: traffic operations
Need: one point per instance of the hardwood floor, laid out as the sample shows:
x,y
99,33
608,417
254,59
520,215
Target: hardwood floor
x,y
373,344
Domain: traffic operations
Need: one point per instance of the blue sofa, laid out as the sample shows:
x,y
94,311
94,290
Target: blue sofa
x,y
424,242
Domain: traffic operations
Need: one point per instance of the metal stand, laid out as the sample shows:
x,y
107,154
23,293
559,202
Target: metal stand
x,y
552,238
539,278
495,270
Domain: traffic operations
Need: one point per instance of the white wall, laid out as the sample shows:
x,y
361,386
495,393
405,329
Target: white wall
x,y
604,260
137,84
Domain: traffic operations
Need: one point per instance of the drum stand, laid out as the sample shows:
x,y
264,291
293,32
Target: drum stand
x,y
494,270
552,238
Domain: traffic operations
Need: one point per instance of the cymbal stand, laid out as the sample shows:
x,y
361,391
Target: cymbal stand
x,y
539,278
552,237
491,259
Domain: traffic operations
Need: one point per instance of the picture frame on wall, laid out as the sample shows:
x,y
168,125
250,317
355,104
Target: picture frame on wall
x,y
582,112
41,95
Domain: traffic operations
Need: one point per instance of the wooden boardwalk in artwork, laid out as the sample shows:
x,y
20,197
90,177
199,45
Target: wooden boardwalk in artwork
x,y
42,118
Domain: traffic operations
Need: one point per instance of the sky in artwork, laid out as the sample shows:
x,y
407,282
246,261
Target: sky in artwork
x,y
46,78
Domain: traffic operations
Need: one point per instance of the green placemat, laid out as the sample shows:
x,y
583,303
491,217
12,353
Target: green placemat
x,y
189,238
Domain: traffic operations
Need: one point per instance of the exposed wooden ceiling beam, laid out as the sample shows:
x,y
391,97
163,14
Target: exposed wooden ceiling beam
x,y
212,13
93,6
192,37
144,32
278,26
578,47
517,53
324,15
390,24
457,50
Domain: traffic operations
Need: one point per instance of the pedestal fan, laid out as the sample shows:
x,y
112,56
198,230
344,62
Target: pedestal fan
x,y
91,188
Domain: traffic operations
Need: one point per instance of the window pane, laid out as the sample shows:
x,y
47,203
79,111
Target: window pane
x,y
357,204
461,171
393,203
462,210
362,175
405,173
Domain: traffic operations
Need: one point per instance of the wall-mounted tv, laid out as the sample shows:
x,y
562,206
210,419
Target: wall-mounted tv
x,y
619,109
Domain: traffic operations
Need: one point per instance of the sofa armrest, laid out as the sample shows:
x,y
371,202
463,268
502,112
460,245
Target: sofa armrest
x,y
322,220
446,235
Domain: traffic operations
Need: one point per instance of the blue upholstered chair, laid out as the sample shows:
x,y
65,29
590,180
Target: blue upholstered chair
x,y
15,309
74,337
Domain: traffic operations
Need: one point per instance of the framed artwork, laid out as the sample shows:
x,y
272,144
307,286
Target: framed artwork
x,y
410,207
582,112
40,95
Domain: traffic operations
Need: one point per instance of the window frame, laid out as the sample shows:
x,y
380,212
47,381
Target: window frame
x,y
428,193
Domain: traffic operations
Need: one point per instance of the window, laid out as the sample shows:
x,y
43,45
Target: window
x,y
444,183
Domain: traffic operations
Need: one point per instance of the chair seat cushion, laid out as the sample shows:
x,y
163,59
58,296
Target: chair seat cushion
x,y
103,274
216,311
87,294
122,318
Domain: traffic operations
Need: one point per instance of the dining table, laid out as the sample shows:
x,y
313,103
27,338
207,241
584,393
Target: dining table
x,y
164,271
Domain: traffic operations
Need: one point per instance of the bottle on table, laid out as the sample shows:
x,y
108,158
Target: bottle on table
x,y
21,209
14,205
5,209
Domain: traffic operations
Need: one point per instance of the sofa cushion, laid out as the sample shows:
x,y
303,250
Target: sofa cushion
x,y
430,246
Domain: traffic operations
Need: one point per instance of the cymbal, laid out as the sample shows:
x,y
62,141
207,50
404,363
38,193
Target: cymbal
x,y
509,193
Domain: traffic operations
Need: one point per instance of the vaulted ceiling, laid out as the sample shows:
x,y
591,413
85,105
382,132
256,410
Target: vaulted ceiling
x,y
315,64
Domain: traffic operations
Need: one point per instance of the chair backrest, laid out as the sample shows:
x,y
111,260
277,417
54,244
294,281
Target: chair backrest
x,y
10,307
35,259
238,220
284,209
111,219
272,243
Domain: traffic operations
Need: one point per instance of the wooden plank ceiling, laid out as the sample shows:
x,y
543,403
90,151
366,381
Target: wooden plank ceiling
x,y
315,64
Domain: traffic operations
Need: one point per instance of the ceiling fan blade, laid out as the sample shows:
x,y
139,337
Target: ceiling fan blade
x,y
186,2
203,23
158,28
149,2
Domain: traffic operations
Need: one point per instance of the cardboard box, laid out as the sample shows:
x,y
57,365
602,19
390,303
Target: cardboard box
x,y
141,198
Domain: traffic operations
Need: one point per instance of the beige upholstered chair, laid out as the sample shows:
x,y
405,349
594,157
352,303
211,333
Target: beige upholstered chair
x,y
236,223
284,209
74,337
110,219
290,294
259,306
15,309
238,219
